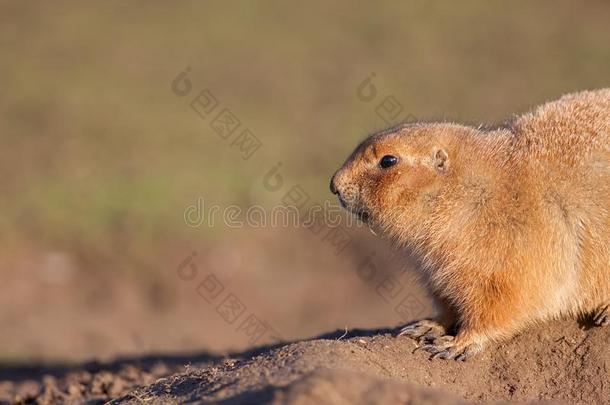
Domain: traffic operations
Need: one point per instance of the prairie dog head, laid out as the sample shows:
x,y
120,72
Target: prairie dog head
x,y
394,177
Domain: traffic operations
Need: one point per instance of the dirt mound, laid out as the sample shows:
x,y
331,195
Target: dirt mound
x,y
558,362
345,387
90,383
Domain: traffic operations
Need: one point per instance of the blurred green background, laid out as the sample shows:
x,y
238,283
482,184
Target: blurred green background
x,y
99,157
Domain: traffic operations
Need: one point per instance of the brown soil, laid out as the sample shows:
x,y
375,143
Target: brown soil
x,y
559,362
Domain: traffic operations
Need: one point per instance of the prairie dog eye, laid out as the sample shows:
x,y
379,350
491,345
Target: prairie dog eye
x,y
388,161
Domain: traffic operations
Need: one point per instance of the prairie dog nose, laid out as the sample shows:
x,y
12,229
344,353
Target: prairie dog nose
x,y
333,187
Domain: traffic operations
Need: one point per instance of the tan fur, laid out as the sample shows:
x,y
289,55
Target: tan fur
x,y
512,228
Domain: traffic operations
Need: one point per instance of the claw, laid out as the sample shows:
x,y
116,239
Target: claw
x,y
413,332
429,348
432,335
602,316
443,340
468,353
462,357
423,328
446,348
446,354
431,338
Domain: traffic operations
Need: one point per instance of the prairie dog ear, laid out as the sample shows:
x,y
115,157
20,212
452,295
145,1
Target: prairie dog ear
x,y
440,160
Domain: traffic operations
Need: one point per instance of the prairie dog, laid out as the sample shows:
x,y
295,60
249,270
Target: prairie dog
x,y
512,224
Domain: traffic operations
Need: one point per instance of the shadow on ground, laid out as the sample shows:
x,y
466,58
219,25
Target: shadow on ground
x,y
562,361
